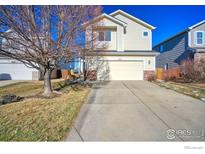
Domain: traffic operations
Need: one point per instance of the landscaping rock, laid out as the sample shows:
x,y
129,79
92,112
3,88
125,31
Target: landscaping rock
x,y
10,98
203,99
195,91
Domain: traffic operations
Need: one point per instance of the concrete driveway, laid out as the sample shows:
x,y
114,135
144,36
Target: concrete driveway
x,y
138,111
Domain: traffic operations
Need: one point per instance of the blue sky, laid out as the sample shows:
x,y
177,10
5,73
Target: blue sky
x,y
169,20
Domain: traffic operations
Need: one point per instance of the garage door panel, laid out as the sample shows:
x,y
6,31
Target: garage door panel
x,y
125,70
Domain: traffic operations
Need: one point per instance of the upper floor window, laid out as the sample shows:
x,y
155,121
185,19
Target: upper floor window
x,y
101,36
104,35
145,34
199,38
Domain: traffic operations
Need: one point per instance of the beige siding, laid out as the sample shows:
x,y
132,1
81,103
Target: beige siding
x,y
133,38
116,42
192,36
122,39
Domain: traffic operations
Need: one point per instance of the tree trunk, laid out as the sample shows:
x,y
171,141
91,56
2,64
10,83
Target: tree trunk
x,y
47,83
84,71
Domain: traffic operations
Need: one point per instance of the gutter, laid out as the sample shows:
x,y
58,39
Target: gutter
x,y
137,53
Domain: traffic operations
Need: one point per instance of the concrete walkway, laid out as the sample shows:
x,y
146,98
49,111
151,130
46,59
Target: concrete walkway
x,y
138,111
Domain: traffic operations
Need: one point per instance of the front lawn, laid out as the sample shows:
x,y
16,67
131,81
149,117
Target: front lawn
x,y
191,89
26,88
39,119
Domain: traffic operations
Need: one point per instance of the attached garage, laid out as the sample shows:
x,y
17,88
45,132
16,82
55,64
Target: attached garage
x,y
122,65
125,70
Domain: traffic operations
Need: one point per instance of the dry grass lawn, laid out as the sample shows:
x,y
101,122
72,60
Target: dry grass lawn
x,y
39,119
26,88
190,89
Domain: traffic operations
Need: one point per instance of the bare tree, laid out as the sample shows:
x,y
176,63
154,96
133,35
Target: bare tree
x,y
44,37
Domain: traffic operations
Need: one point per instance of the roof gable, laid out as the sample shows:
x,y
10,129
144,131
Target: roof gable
x,y
172,37
197,24
182,32
104,15
113,14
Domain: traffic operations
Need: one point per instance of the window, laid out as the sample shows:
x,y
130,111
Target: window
x,y
199,38
101,36
104,35
108,35
145,34
149,62
161,48
166,67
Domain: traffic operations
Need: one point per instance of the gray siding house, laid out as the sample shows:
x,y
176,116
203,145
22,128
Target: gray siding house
x,y
188,44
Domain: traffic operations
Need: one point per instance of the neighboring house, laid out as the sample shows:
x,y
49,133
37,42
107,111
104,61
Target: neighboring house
x,y
11,69
188,44
76,64
128,53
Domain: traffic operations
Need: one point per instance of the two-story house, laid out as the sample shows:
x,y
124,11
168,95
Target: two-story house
x,y
188,44
124,47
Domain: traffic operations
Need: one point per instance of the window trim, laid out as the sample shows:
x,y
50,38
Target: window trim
x,y
147,33
203,37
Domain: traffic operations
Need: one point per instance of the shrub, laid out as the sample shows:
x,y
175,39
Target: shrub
x,y
193,71
151,78
170,78
199,66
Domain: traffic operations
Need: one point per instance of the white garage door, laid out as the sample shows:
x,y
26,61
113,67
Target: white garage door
x,y
14,71
125,70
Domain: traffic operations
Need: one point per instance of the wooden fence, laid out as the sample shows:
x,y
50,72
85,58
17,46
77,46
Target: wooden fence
x,y
161,74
